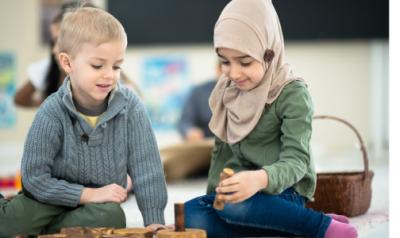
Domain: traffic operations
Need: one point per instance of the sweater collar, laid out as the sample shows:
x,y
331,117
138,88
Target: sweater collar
x,y
117,102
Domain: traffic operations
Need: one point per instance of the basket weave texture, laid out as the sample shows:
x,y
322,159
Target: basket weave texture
x,y
347,193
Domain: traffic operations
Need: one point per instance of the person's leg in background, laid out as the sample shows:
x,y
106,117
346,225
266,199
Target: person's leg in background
x,y
25,216
90,215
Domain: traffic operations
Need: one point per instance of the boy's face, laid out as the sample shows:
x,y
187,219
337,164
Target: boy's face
x,y
94,71
245,71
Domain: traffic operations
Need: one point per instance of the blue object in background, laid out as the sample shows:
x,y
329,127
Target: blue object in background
x,y
7,90
165,85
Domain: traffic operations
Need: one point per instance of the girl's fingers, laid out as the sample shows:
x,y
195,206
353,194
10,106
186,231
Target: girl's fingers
x,y
229,181
228,189
231,198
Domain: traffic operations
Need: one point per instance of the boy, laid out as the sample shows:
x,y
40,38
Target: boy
x,y
86,140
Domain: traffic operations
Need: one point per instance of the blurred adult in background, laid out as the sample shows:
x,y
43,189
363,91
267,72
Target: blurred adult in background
x,y
196,114
46,76
192,157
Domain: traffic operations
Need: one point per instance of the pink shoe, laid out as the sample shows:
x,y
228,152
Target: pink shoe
x,y
340,230
339,218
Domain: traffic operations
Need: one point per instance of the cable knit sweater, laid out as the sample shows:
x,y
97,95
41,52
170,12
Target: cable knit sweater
x,y
63,153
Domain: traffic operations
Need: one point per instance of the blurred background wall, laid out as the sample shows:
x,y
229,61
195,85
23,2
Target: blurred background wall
x,y
346,77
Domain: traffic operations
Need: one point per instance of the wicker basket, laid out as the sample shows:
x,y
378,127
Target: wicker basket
x,y
347,193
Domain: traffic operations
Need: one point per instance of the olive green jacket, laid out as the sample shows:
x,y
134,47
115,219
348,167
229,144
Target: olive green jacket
x,y
279,144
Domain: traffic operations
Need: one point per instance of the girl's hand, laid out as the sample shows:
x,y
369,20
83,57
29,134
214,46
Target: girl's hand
x,y
108,193
242,185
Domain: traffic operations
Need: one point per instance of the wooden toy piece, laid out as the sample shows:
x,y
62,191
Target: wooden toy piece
x,y
78,231
188,233
101,232
135,232
226,173
179,216
121,236
98,231
180,231
53,236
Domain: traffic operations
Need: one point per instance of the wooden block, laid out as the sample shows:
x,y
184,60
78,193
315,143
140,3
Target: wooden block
x,y
226,173
99,230
188,233
73,230
53,236
180,231
136,232
179,216
120,236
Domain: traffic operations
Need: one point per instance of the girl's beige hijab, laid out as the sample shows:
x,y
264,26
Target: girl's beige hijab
x,y
251,27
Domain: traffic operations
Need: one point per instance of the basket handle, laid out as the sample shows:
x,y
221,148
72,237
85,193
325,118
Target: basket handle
x,y
363,149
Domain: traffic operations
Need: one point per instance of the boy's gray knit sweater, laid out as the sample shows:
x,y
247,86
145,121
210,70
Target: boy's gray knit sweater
x,y
63,154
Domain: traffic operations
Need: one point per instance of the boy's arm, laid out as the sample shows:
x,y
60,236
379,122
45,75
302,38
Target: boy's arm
x,y
43,142
145,167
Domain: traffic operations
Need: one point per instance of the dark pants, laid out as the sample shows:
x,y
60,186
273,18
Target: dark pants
x,y
260,215
26,216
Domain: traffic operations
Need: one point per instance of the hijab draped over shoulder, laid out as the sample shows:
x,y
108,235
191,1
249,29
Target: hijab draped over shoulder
x,y
251,27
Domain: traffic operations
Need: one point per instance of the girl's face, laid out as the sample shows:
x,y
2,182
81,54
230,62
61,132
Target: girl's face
x,y
245,71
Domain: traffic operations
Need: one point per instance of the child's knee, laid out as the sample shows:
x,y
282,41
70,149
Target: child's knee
x,y
14,223
198,221
233,212
196,214
109,214
16,217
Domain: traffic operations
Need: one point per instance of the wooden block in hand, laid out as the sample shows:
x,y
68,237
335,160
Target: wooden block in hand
x,y
226,173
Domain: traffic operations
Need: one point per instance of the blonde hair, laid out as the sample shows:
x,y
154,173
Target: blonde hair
x,y
89,25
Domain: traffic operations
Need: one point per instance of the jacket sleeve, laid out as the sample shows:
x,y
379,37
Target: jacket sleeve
x,y
294,108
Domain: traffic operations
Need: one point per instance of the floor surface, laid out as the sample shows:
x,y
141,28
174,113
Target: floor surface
x,y
375,223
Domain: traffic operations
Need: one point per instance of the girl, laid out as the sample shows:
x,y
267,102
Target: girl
x,y
261,117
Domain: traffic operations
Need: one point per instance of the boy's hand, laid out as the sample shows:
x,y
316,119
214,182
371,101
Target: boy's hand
x,y
108,193
129,184
242,185
156,227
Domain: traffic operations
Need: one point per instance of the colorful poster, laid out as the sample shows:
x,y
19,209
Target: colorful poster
x,y
7,90
165,84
